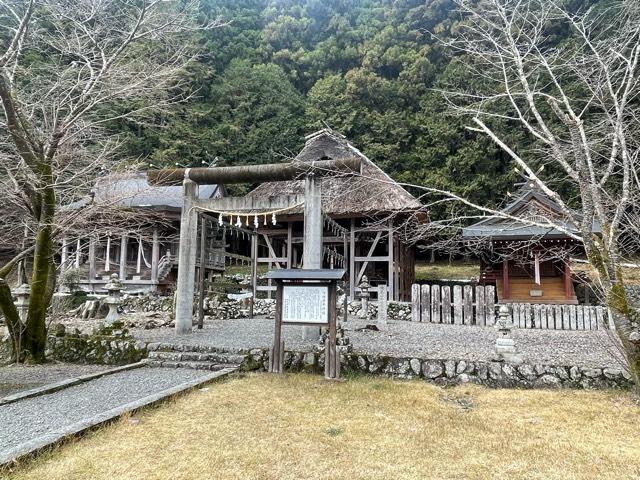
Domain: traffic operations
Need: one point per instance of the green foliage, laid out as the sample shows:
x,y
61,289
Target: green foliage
x,y
370,69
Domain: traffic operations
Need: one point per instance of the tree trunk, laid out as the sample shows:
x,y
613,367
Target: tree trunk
x,y
35,336
12,318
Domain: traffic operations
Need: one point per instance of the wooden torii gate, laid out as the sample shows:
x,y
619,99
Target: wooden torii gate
x,y
190,178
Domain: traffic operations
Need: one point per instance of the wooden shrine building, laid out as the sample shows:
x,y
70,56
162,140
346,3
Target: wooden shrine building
x,y
361,216
527,263
146,257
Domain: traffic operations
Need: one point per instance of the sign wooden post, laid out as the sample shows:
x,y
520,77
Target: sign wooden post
x,y
306,297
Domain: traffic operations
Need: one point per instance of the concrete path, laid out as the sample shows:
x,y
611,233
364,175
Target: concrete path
x,y
17,378
33,423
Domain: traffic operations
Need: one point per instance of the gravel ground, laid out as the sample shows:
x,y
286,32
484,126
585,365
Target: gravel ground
x,y
31,418
409,339
15,378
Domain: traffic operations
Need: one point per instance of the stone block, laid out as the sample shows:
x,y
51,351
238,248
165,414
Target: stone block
x,y
432,369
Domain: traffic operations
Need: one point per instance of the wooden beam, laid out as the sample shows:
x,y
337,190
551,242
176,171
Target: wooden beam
x,y
364,265
272,254
379,258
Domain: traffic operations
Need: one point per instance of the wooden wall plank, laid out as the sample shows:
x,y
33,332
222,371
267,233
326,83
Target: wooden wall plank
x,y
600,318
490,300
480,306
467,298
435,303
446,304
457,304
415,303
425,300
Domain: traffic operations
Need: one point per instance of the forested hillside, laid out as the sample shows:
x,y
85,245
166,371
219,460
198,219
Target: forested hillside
x,y
368,68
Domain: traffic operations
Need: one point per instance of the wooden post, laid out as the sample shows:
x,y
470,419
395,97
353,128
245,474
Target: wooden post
x,y
567,281
254,271
64,254
92,259
187,259
331,353
391,276
352,262
505,280
289,244
155,257
107,255
78,252
139,261
203,270
275,364
123,258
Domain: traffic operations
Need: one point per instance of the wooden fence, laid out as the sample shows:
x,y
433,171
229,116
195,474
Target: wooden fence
x,y
476,305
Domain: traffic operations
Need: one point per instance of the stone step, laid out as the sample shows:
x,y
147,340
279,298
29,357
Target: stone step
x,y
196,357
191,364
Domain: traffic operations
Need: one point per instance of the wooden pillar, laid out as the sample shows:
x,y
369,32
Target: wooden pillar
x,y
139,260
289,244
567,281
203,270
254,271
352,261
78,252
64,255
107,255
123,257
391,276
155,256
187,258
92,259
505,280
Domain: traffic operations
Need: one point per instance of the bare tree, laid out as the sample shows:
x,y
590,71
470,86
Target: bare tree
x,y
68,68
578,101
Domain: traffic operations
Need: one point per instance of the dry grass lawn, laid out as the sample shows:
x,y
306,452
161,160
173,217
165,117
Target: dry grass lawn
x,y
302,427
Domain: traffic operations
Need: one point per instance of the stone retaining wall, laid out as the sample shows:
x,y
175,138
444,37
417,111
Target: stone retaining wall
x,y
107,345
443,372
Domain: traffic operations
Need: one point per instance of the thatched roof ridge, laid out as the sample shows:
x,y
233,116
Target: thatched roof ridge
x,y
372,192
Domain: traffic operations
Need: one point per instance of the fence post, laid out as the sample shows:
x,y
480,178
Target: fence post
x,y
425,303
415,302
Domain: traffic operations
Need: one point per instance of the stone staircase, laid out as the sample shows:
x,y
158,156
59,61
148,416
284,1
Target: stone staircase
x,y
197,360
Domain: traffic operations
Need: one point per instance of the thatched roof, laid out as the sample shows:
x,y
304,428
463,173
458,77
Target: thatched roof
x,y
372,192
133,190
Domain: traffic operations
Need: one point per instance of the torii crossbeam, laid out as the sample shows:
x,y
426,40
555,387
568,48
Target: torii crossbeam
x,y
190,178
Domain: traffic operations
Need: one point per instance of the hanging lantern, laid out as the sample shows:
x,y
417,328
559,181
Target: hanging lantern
x,y
273,218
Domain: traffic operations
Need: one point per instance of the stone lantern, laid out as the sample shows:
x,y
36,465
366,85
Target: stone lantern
x,y
113,288
505,345
22,301
364,297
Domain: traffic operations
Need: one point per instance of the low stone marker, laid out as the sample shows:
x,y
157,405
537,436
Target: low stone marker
x,y
505,345
382,306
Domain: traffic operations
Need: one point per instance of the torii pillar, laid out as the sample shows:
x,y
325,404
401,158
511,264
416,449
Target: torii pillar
x,y
190,178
